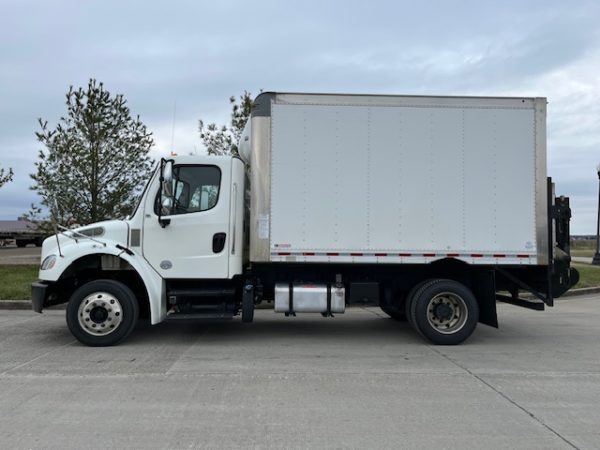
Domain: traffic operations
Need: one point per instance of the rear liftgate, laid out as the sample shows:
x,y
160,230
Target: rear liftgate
x,y
558,277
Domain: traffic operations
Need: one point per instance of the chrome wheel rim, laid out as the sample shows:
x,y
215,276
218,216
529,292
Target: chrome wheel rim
x,y
447,312
100,314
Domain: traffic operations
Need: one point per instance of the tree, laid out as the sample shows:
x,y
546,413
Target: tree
x,y
222,140
96,160
5,176
42,223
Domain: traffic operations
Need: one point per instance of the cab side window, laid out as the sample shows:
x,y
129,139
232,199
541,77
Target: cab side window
x,y
192,189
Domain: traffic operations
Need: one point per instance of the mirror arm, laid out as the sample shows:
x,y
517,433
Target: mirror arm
x,y
161,180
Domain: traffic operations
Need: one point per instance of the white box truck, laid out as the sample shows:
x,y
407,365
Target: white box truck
x,y
432,208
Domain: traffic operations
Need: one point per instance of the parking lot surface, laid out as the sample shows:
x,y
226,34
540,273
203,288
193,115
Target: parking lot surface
x,y
13,255
359,380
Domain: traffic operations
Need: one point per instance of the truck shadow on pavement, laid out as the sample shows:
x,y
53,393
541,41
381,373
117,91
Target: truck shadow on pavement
x,y
379,330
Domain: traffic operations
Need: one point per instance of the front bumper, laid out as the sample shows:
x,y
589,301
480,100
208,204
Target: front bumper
x,y
48,293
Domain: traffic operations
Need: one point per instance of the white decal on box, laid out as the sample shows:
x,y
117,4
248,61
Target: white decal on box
x,y
263,226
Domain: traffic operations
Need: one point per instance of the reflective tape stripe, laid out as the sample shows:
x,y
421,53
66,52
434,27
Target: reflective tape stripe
x,y
413,255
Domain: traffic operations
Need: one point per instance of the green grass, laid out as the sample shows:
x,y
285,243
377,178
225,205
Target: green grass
x,y
582,252
15,281
583,243
583,247
589,276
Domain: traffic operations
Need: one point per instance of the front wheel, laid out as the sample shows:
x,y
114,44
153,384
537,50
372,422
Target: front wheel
x,y
444,311
102,313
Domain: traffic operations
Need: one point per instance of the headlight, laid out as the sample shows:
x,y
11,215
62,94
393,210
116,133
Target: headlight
x,y
92,232
48,262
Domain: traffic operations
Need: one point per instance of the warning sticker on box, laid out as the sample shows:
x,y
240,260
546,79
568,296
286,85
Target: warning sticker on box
x,y
263,226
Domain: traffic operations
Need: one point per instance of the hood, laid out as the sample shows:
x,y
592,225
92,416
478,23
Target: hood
x,y
109,231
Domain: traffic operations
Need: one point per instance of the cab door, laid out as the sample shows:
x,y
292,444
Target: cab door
x,y
192,240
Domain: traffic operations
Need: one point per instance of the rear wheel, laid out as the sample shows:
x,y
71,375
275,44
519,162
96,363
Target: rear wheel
x,y
20,243
444,311
102,313
409,300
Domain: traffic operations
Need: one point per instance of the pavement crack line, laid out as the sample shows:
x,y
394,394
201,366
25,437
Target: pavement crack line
x,y
506,397
36,358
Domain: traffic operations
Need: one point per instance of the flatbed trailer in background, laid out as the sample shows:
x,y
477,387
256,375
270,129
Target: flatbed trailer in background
x,y
22,232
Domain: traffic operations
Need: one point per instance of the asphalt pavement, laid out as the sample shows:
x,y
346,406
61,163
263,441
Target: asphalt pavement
x,y
13,255
359,380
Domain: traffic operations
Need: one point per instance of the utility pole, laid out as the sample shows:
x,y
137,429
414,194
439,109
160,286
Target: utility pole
x,y
596,260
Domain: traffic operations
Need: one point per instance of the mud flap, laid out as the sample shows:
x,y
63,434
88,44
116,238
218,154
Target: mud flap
x,y
484,289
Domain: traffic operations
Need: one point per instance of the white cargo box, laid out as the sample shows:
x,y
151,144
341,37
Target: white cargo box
x,y
398,179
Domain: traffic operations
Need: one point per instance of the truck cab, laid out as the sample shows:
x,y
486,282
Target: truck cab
x,y
191,224
188,225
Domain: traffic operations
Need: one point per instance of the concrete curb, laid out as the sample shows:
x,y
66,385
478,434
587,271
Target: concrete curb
x,y
15,304
26,304
581,291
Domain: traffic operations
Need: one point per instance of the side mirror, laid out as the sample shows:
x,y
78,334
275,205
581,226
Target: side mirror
x,y
167,171
165,179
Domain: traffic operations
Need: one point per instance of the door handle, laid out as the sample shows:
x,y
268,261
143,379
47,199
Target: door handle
x,y
218,242
234,218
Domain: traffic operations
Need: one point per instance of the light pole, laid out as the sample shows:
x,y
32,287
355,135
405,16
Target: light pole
x,y
596,260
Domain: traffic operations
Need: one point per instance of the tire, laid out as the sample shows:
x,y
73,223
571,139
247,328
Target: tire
x,y
444,311
39,241
409,300
112,318
20,243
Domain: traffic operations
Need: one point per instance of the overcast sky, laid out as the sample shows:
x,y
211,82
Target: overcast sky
x,y
196,54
